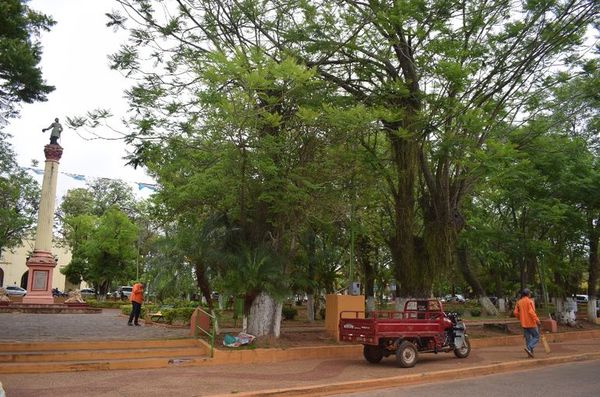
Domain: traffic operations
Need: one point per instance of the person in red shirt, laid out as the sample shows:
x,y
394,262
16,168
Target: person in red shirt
x,y
136,298
525,312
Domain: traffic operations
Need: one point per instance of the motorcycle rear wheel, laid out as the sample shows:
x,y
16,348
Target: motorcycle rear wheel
x,y
407,354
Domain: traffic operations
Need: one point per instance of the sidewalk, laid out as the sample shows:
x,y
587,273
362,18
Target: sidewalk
x,y
304,377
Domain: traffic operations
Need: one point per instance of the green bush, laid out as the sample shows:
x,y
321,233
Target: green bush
x,y
460,312
126,310
475,312
289,313
106,304
180,315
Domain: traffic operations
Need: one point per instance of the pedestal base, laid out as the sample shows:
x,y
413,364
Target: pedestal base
x,y
39,281
38,300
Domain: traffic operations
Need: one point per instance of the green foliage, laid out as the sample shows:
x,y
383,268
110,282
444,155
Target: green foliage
x,y
19,196
104,250
475,312
97,224
126,310
394,121
106,304
178,315
253,272
20,76
289,313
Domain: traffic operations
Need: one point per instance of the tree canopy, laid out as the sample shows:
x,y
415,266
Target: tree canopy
x,y
21,77
362,132
19,198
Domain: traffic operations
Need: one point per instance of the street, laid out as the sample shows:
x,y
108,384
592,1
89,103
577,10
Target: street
x,y
568,380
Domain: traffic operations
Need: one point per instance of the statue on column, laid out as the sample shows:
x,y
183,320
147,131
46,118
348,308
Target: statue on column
x,y
56,130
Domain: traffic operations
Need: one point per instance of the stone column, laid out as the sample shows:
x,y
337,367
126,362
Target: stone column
x,y
41,263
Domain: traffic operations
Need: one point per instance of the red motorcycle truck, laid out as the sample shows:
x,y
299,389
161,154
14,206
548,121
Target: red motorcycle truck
x,y
422,327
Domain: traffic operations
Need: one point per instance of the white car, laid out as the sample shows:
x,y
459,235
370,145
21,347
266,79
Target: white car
x,y
15,291
88,292
581,298
125,291
454,298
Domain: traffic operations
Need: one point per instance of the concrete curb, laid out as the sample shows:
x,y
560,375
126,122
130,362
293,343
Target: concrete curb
x,y
273,355
401,380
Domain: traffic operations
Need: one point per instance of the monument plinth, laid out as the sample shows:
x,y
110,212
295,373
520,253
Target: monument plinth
x,y
41,263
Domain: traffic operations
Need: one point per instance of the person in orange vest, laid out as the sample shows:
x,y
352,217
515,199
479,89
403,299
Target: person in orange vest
x,y
136,298
525,312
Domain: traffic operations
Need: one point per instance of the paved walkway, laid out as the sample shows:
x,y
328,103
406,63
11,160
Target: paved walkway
x,y
301,377
306,377
108,325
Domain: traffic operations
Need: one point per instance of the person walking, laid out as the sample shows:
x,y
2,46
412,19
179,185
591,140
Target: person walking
x,y
136,298
525,312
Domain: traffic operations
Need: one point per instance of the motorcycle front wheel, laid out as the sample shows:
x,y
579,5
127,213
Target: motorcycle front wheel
x,y
464,350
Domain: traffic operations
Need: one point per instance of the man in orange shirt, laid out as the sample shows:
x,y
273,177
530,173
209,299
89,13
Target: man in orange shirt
x,y
136,298
525,312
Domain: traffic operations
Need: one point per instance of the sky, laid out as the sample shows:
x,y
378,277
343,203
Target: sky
x,y
75,61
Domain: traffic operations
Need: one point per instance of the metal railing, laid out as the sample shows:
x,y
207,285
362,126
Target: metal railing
x,y
210,334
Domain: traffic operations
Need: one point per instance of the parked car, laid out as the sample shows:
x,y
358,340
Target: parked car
x,y
15,291
88,292
124,291
458,298
581,298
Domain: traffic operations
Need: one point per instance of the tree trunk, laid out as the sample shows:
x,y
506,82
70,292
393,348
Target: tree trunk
x,y
203,284
370,304
593,267
365,252
265,316
592,311
471,279
312,263
310,307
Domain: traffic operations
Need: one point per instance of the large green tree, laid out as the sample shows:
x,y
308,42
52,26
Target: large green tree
x,y
256,161
20,53
86,216
106,249
19,198
436,79
574,109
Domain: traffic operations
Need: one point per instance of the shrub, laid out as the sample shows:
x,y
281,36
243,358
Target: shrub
x,y
126,310
180,315
460,312
475,312
289,313
104,304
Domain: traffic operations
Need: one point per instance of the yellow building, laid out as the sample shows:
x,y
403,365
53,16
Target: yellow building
x,y
14,271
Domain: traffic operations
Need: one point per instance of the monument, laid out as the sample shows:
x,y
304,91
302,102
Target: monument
x,y
41,263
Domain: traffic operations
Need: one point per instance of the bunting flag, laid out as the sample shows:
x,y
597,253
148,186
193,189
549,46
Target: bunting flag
x,y
146,185
84,178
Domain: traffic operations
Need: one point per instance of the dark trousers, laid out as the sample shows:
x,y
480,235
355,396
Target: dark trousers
x,y
136,309
54,140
